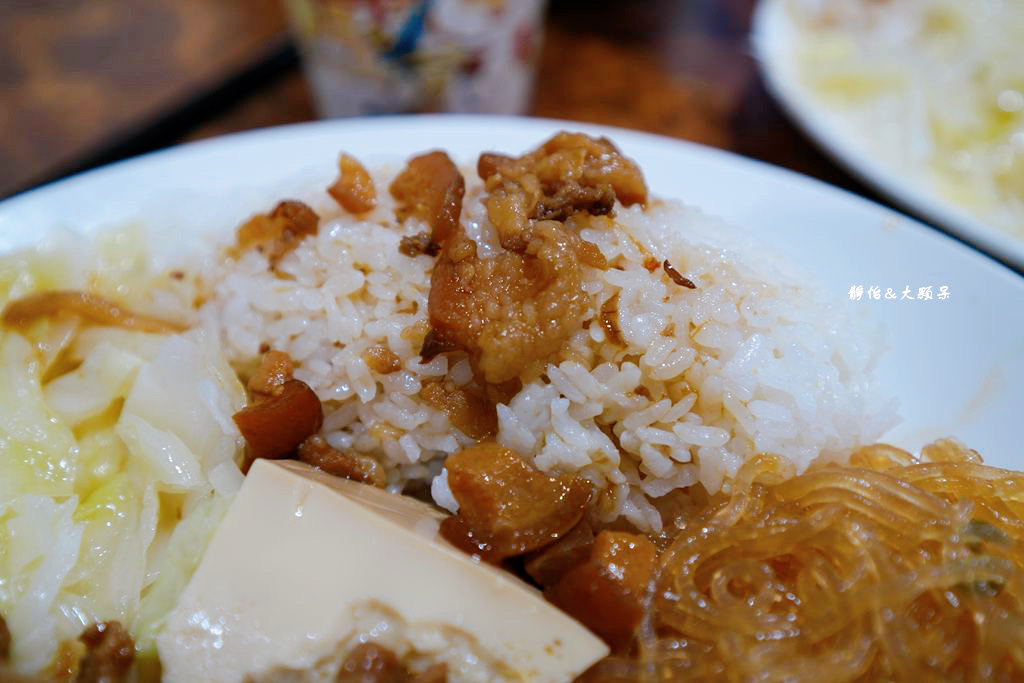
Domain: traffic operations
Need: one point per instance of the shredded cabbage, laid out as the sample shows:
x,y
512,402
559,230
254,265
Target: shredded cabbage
x,y
178,560
119,520
40,545
932,88
104,375
177,416
117,461
38,449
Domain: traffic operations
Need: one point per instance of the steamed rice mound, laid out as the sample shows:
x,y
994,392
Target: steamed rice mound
x,y
660,388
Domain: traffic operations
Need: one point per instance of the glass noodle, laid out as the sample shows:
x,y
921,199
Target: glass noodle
x,y
892,567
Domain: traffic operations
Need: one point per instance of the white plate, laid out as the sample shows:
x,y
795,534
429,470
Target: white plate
x,y
773,34
956,365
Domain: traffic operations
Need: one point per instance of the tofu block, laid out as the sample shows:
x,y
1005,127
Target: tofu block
x,y
301,555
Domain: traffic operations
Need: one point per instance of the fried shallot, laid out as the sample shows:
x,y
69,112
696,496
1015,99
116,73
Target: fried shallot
x,y
468,410
275,370
278,233
317,452
109,653
430,188
354,189
5,640
569,173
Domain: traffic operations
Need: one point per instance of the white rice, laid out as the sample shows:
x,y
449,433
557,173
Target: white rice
x,y
748,362
417,646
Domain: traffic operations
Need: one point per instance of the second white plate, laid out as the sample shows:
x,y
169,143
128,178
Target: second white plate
x,y
773,36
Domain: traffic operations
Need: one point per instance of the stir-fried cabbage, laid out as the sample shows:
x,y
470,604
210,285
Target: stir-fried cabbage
x,y
182,444
117,461
173,568
38,449
932,88
41,544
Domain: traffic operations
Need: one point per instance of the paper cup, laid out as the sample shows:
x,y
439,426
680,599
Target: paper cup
x,y
365,57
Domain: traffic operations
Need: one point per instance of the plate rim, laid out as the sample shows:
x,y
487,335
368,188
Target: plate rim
x,y
224,144
860,215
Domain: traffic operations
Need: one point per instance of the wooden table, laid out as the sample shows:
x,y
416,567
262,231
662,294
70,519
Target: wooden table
x,y
85,83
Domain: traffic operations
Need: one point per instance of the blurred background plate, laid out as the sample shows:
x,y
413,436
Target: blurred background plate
x,y
956,365
774,36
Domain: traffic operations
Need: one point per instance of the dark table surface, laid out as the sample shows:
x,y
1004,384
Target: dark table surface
x,y
85,83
